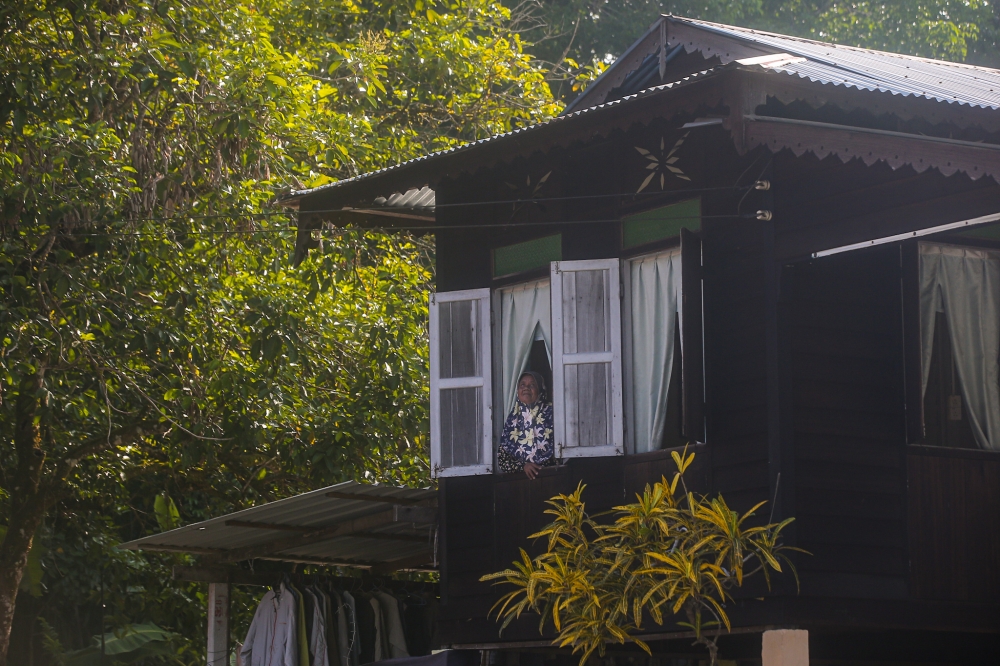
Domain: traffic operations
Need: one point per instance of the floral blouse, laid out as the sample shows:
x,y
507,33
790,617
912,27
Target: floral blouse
x,y
527,437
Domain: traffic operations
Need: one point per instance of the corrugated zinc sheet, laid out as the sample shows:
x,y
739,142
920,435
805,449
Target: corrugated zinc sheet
x,y
315,510
828,64
293,196
421,199
867,69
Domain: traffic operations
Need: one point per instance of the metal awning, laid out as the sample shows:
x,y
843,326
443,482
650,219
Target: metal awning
x,y
380,528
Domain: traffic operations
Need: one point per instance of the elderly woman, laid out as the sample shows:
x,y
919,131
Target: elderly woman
x,y
526,442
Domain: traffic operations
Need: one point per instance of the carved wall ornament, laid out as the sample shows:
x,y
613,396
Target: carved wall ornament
x,y
662,162
523,194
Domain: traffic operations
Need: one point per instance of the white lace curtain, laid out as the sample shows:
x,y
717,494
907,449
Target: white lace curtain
x,y
964,284
655,291
524,318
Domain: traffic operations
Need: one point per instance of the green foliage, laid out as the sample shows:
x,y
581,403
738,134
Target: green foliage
x,y
167,515
669,553
154,336
124,646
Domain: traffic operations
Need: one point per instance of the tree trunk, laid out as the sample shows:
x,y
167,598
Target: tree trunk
x,y
27,505
13,560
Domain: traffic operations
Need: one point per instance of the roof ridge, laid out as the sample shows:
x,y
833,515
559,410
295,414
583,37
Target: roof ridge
x,y
905,56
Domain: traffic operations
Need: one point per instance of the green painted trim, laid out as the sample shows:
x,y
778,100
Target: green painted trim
x,y
987,232
522,257
660,223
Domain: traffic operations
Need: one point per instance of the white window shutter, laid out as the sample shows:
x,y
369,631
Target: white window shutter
x,y
586,358
461,389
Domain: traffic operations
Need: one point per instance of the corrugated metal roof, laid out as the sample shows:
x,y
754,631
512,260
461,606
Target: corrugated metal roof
x,y
305,514
293,196
828,64
414,199
867,69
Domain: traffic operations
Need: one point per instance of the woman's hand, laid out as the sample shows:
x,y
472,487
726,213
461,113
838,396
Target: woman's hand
x,y
531,469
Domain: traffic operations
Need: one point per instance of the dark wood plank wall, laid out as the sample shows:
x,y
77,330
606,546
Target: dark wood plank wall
x,y
846,345
954,524
490,518
859,494
844,407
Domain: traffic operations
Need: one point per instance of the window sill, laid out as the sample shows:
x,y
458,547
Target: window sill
x,y
554,470
660,454
951,452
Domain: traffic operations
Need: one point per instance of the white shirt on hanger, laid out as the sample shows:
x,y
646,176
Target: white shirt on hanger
x,y
271,639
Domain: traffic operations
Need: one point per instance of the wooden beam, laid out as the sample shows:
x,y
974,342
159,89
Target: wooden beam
x,y
194,550
237,576
319,561
409,538
345,528
269,526
374,498
409,562
426,515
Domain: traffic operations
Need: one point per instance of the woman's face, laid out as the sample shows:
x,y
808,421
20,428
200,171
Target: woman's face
x,y
528,390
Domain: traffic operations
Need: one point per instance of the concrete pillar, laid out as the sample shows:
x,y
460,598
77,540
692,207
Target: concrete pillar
x,y
218,624
785,647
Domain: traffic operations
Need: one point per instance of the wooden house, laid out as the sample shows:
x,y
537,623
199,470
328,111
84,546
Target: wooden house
x,y
783,251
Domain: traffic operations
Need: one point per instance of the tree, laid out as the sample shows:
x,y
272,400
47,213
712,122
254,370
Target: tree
x,y
152,330
670,552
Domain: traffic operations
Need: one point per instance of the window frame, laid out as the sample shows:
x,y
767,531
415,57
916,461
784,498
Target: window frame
x,y
614,294
484,381
691,320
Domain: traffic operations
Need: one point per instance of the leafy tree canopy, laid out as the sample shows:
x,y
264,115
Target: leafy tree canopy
x,y
153,334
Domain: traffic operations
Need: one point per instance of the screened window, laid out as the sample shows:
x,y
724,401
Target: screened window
x,y
527,256
661,223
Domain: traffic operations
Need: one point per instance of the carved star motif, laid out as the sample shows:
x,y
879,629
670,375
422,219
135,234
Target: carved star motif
x,y
662,163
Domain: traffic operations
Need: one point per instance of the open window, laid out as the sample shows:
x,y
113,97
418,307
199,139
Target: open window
x,y
461,392
662,344
952,301
522,341
586,358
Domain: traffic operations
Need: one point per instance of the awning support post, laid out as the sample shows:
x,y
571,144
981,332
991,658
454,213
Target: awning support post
x,y
218,624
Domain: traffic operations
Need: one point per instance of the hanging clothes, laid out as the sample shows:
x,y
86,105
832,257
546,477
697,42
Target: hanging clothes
x,y
330,615
343,639
302,638
272,639
366,628
317,634
395,637
381,636
401,609
354,634
418,638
